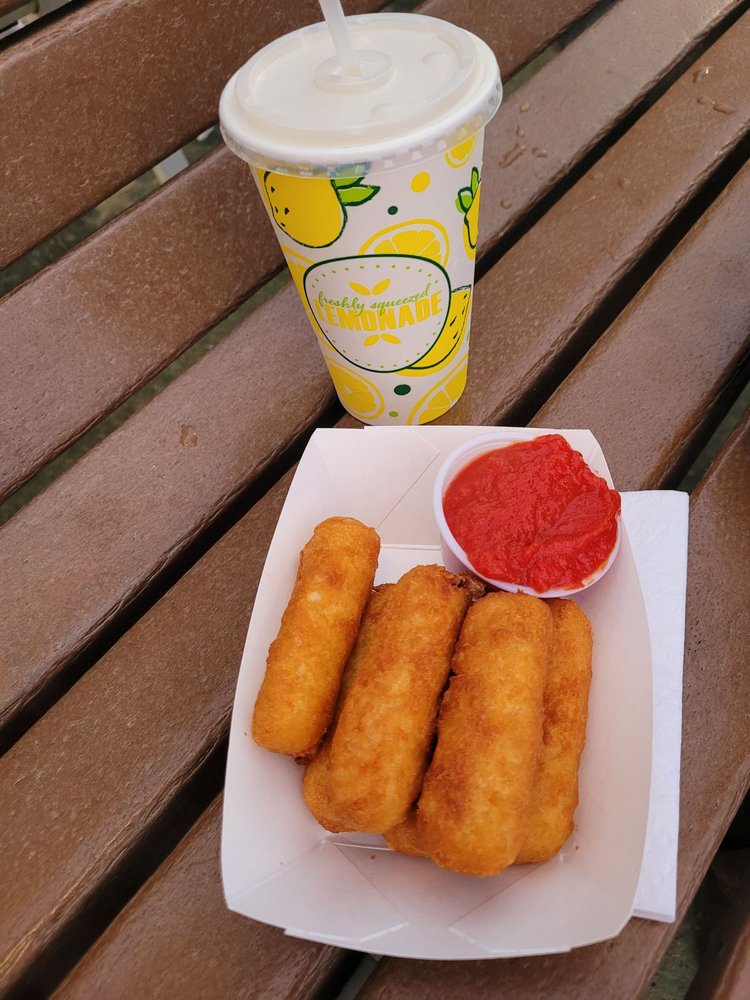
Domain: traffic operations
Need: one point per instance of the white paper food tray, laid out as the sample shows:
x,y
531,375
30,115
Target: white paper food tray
x,y
279,866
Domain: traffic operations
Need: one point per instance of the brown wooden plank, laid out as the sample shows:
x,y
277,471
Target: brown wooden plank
x,y
120,306
62,327
515,32
117,86
529,309
724,970
85,546
151,486
64,146
178,939
691,319
574,100
162,696
104,50
715,770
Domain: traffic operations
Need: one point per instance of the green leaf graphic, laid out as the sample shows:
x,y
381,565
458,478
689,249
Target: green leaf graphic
x,y
357,195
464,200
346,182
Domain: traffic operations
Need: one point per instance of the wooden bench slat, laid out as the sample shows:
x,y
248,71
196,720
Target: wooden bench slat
x,y
195,239
161,695
531,27
98,522
574,100
123,304
529,309
113,520
682,338
91,778
714,773
180,940
117,86
64,145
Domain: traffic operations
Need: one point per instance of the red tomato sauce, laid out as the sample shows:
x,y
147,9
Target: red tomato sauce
x,y
534,514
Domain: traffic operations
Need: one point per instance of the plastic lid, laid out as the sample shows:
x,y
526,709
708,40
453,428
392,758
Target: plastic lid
x,y
425,83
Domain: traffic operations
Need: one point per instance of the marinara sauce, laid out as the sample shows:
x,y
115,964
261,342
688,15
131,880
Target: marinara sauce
x,y
534,514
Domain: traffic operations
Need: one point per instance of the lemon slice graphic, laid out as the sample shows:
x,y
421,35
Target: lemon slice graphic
x,y
442,396
458,155
417,238
446,347
360,397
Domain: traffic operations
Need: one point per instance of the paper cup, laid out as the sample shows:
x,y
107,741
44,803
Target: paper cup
x,y
373,186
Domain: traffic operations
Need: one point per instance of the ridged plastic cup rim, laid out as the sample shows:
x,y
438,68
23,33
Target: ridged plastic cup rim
x,y
461,457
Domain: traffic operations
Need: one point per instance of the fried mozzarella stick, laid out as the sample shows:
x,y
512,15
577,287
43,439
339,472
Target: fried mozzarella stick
x,y
566,698
318,629
373,768
474,804
314,784
406,838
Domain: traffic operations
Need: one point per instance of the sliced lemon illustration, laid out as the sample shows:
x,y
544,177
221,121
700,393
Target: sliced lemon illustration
x,y
458,155
451,337
440,397
360,397
417,238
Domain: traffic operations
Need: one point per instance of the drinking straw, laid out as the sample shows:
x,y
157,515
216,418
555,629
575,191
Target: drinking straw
x,y
342,42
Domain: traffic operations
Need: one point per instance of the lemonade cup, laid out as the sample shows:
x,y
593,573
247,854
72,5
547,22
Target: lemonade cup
x,y
372,184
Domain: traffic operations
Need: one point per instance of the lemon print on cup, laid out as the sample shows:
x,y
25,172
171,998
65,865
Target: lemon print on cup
x,y
420,182
312,210
358,394
459,155
467,203
415,238
451,337
441,397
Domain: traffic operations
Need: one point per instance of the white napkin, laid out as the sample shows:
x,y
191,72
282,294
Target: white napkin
x,y
657,525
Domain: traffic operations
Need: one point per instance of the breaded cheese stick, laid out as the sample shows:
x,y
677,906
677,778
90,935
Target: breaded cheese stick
x,y
318,629
566,696
406,838
314,783
378,751
474,804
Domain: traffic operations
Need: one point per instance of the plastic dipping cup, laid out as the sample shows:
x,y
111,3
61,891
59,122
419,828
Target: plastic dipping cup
x,y
372,183
454,556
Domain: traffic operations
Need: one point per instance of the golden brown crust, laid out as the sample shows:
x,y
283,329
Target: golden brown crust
x,y
406,838
318,629
474,803
566,694
378,751
315,781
